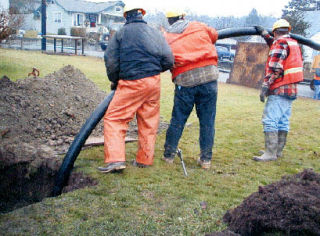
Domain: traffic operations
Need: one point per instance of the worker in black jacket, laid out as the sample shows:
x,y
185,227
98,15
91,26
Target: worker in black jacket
x,y
135,57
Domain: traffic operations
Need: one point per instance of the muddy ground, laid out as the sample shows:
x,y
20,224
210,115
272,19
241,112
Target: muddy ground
x,y
39,118
290,206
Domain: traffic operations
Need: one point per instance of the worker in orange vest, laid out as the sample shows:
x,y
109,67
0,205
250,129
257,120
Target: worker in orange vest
x,y
316,80
135,57
195,75
283,72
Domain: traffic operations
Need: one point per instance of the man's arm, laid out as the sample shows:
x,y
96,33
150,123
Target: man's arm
x,y
265,35
275,67
167,59
112,59
213,34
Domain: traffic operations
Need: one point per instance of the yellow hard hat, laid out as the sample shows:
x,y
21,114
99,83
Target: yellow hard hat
x,y
175,13
129,7
282,23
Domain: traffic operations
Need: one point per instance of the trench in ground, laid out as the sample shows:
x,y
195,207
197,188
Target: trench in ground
x,y
19,187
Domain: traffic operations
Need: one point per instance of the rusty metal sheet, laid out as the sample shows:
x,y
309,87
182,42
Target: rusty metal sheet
x,y
249,63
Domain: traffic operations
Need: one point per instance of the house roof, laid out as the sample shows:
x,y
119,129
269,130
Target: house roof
x,y
87,6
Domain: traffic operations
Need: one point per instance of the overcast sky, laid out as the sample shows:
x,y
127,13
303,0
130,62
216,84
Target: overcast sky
x,y
215,7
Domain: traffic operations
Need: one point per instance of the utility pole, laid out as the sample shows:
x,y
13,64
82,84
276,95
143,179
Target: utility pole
x,y
43,24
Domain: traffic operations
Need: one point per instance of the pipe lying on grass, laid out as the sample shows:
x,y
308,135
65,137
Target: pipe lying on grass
x,y
93,120
78,142
236,32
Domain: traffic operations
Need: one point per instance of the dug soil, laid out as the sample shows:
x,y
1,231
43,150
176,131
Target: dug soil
x,y
39,118
290,206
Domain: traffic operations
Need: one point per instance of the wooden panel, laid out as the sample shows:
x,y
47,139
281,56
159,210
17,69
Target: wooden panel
x,y
249,64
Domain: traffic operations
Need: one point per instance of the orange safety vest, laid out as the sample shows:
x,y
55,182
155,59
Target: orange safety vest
x,y
316,65
293,65
193,48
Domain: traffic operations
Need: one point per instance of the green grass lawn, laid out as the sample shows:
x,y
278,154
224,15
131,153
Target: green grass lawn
x,y
161,200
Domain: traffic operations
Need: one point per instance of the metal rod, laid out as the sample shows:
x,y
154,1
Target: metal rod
x,y
179,153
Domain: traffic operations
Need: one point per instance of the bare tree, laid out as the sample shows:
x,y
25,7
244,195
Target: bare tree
x,y
9,23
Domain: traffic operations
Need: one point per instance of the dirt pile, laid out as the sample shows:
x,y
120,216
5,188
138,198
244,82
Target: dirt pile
x,y
290,206
39,118
49,110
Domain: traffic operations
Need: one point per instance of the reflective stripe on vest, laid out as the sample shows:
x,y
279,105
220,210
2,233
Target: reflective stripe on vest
x,y
293,70
291,43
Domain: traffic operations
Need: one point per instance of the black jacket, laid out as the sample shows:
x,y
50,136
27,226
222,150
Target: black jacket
x,y
137,51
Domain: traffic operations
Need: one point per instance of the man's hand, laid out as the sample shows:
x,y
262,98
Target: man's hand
x,y
113,86
260,30
263,93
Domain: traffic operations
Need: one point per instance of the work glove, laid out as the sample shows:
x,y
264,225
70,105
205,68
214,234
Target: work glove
x,y
113,85
263,93
260,30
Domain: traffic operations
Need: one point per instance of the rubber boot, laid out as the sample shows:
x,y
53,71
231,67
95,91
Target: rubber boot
x,y
282,139
271,146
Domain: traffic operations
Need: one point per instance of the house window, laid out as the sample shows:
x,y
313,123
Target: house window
x,y
118,8
78,19
318,6
57,17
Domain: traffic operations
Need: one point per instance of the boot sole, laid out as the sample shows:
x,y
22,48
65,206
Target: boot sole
x,y
262,160
115,169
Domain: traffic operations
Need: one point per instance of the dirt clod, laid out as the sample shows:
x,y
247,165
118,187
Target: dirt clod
x,y
290,206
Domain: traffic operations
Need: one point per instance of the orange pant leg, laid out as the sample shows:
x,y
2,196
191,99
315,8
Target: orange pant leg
x,y
148,117
129,97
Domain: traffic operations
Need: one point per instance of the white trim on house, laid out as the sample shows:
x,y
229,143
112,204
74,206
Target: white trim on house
x,y
99,19
78,19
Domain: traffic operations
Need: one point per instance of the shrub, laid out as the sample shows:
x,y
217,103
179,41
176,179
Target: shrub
x,y
77,31
9,23
62,31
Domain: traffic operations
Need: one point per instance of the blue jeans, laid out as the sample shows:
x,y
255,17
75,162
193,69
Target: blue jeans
x,y
205,98
316,92
276,114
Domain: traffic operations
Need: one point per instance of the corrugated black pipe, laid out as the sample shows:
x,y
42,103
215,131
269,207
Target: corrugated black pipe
x,y
236,32
78,142
93,120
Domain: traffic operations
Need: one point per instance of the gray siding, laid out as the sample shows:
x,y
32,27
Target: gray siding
x,y
52,25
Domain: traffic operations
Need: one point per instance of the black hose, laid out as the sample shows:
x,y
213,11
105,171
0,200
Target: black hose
x,y
78,142
236,32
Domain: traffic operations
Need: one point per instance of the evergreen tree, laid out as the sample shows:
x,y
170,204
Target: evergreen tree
x,y
253,18
294,13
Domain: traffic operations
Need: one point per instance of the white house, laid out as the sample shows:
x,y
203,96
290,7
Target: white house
x,y
95,16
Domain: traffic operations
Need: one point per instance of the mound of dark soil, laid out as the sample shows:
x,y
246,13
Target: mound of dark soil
x,y
290,206
49,110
